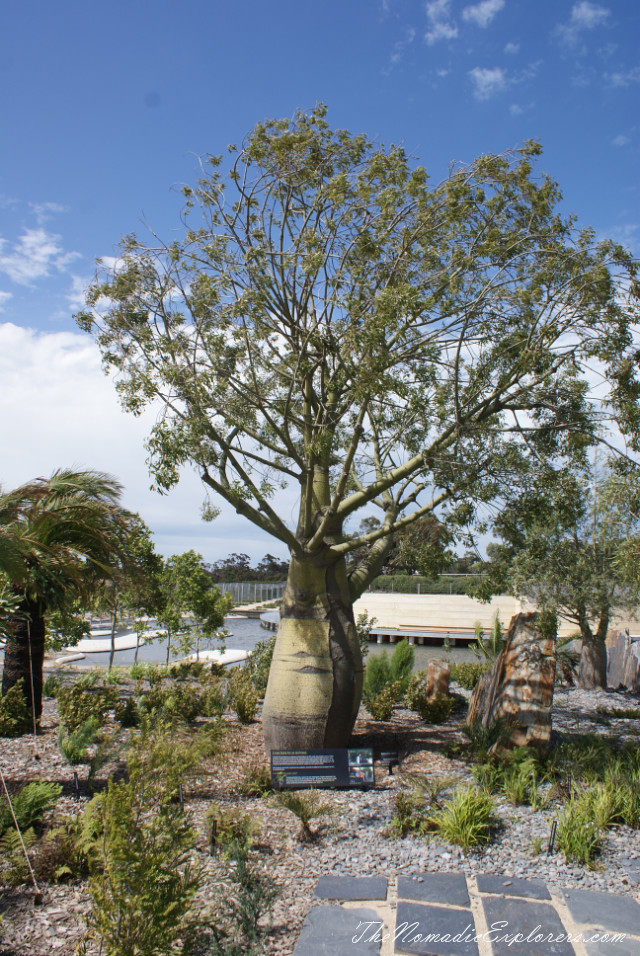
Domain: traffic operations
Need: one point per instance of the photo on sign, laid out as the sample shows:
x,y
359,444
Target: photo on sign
x,y
360,766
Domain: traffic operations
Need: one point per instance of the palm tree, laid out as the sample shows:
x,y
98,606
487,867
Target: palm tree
x,y
57,535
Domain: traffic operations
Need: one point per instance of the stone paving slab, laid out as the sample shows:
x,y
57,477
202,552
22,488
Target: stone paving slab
x,y
435,888
513,886
331,930
355,888
529,920
415,923
618,913
626,947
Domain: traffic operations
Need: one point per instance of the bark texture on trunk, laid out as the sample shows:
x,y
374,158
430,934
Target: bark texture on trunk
x,y
24,653
315,681
592,669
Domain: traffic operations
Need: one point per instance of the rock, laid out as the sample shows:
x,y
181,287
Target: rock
x,y
518,690
623,663
438,679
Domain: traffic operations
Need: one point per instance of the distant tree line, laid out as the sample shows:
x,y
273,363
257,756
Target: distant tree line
x,y
237,567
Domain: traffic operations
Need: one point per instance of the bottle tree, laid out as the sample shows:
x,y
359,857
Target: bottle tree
x,y
330,323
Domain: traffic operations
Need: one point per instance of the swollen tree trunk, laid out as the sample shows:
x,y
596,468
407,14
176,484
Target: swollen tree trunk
x,y
24,653
315,681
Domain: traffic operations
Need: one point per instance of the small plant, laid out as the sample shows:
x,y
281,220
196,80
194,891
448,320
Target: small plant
x,y
520,782
51,685
143,879
466,819
29,805
621,713
467,673
257,782
230,830
12,853
74,746
127,712
536,846
437,710
258,664
307,807
408,815
243,910
483,739
578,836
83,700
488,648
242,695
212,699
381,706
15,716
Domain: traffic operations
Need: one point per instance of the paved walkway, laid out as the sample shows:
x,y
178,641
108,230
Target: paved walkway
x,y
448,914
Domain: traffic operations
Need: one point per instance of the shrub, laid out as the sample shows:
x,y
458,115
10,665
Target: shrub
x,y
483,739
437,710
212,700
242,695
179,700
251,897
466,819
415,689
51,685
143,880
230,829
80,702
408,815
74,746
15,716
467,673
258,664
127,712
257,782
381,706
578,836
306,807
401,664
29,805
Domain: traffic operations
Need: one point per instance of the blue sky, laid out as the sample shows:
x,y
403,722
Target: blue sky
x,y
105,109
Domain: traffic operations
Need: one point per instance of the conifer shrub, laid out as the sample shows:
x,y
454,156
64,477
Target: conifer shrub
x,y
467,673
381,706
143,878
74,745
15,716
78,703
242,695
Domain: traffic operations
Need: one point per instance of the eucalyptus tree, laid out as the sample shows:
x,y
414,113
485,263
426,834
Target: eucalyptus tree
x,y
571,543
58,537
329,322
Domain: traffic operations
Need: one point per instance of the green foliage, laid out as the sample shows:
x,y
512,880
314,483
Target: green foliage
x,y
437,710
466,819
488,648
143,877
243,909
81,701
387,679
621,713
409,814
256,782
306,806
418,584
127,712
15,871
74,745
230,830
381,706
483,739
364,624
578,836
467,673
242,695
29,805
175,700
15,716
258,663
51,685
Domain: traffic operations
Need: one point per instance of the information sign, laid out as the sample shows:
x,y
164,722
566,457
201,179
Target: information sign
x,y
342,767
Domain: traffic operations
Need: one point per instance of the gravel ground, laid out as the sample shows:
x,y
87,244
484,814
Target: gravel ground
x,y
353,841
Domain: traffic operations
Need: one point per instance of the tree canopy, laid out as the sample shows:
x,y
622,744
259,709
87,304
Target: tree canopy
x,y
329,321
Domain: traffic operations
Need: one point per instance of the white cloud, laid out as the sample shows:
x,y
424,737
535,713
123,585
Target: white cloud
x,y
400,46
512,48
621,140
624,77
483,13
43,211
487,82
33,256
515,109
4,297
441,27
76,297
584,16
60,410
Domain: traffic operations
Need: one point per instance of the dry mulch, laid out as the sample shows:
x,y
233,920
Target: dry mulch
x,y
55,923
